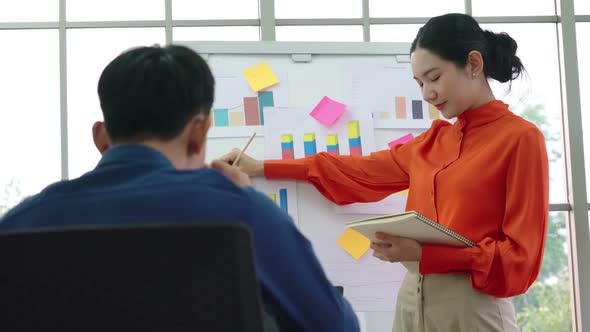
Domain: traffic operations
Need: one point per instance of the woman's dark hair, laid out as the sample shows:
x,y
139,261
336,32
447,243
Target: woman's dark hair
x,y
453,36
153,92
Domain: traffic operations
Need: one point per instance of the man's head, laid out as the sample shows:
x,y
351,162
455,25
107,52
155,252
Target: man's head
x,y
155,94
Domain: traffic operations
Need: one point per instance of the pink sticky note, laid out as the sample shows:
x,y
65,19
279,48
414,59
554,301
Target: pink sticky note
x,y
328,111
401,140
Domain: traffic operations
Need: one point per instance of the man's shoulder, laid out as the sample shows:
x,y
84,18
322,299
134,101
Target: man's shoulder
x,y
26,202
33,200
182,193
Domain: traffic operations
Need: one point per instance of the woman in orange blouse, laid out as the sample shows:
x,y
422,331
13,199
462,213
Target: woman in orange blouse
x,y
485,177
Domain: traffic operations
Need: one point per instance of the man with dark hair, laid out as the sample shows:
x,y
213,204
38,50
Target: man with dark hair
x,y
156,104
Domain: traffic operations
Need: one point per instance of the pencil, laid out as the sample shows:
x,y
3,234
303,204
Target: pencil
x,y
237,160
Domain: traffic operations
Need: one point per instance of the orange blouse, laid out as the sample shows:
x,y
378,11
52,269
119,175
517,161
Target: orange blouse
x,y
486,177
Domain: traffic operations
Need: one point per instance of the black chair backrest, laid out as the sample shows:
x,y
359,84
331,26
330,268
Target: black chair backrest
x,y
129,278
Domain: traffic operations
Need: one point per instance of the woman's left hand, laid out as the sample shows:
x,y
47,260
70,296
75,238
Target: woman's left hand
x,y
396,249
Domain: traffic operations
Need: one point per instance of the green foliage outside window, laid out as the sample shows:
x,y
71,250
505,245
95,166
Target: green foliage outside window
x,y
547,304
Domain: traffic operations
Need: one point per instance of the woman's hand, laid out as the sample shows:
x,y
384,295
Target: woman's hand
x,y
238,177
246,164
396,249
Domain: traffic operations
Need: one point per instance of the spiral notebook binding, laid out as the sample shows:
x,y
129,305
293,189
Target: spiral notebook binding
x,y
445,230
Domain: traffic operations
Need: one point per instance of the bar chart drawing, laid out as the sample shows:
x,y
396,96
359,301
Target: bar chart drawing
x,y
417,107
251,113
220,117
417,112
287,151
283,193
309,146
406,113
354,138
392,97
332,146
433,112
283,202
237,110
293,133
400,108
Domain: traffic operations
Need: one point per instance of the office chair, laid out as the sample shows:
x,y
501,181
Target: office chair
x,y
129,278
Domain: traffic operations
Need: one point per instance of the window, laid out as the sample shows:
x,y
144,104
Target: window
x,y
318,9
30,117
320,33
546,306
582,7
89,51
20,11
114,10
416,8
214,10
513,8
394,32
536,96
244,33
582,34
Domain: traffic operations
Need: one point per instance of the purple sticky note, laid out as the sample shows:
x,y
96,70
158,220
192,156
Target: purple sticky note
x,y
328,111
401,140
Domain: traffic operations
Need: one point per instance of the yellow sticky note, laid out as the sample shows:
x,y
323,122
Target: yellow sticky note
x,y
404,192
354,243
260,77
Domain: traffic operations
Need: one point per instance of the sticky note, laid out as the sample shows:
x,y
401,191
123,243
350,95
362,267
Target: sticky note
x,y
354,243
260,77
403,192
328,111
401,140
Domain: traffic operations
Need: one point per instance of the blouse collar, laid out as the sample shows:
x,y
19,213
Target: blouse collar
x,y
482,115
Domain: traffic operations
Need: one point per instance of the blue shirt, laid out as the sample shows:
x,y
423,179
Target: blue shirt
x,y
134,184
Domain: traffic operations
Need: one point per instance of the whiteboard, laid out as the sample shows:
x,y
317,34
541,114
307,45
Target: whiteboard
x,y
369,77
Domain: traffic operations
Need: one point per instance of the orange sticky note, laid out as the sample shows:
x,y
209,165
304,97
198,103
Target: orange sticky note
x,y
354,243
260,76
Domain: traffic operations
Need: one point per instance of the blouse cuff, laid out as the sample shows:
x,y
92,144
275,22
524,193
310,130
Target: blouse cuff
x,y
444,259
285,169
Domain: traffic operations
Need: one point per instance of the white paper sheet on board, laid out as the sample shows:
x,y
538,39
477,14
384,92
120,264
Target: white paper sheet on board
x,y
391,95
369,283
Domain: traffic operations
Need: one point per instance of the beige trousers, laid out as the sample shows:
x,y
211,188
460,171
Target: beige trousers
x,y
448,303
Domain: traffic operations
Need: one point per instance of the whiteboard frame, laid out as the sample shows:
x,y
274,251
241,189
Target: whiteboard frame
x,y
300,51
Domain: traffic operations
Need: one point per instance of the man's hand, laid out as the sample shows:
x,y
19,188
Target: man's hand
x,y
396,249
233,173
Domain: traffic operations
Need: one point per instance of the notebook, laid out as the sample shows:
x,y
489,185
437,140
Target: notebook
x,y
412,225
